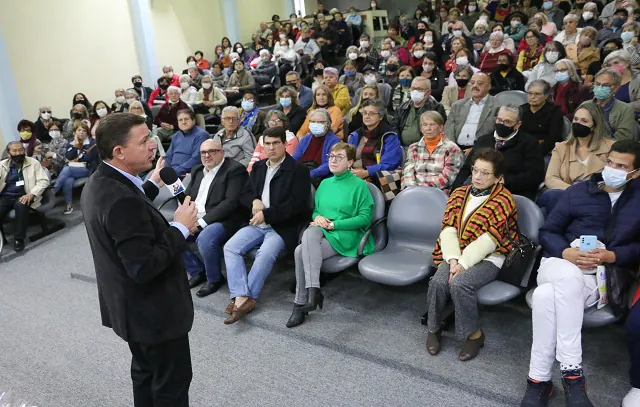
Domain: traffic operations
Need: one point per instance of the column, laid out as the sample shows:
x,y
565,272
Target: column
x,y
230,10
142,26
10,105
289,8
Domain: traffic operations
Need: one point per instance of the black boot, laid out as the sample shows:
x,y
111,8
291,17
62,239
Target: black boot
x,y
297,317
315,300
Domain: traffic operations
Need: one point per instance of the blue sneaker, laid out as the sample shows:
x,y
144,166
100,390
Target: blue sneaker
x,y
575,389
537,394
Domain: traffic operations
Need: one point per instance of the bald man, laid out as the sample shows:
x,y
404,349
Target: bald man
x,y
215,186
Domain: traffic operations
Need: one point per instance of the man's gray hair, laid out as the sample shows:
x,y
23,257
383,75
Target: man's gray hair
x,y
510,107
280,114
9,144
546,87
171,88
378,105
231,109
617,79
423,79
265,52
324,112
169,67
293,73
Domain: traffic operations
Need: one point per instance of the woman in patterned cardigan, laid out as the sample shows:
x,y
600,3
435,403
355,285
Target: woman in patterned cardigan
x,y
470,251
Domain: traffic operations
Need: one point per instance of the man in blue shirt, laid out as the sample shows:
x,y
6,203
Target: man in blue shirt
x,y
305,95
184,152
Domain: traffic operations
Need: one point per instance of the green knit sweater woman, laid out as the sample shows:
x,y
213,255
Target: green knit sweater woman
x,y
342,214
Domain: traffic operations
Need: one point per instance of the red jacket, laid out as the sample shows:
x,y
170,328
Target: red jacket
x,y
154,94
489,62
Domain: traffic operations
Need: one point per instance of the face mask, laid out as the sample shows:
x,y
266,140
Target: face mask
x,y
137,84
562,76
54,134
102,112
76,115
462,61
405,82
18,159
472,8
247,105
424,19
285,102
552,56
484,17
370,79
547,5
317,129
349,73
385,54
191,64
169,74
417,96
457,33
587,15
284,48
46,116
164,87
120,99
462,83
392,67
504,131
503,67
25,135
617,22
427,68
206,85
373,5
601,92
353,56
615,178
130,101
580,130
184,85
364,44
515,23
318,72
418,54
428,38
627,36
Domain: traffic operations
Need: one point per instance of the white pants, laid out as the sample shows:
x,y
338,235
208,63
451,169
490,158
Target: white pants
x,y
558,306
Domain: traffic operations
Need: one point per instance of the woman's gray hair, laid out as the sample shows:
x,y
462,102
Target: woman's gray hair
x,y
510,107
135,104
378,105
43,108
634,24
497,34
290,91
231,109
283,117
571,70
620,54
481,23
352,48
570,17
463,68
184,77
324,112
131,91
433,115
265,52
599,132
546,88
591,6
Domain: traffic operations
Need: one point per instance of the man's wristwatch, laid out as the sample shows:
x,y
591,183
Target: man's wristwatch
x,y
199,227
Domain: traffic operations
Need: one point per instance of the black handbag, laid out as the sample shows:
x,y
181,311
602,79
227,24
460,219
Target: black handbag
x,y
520,259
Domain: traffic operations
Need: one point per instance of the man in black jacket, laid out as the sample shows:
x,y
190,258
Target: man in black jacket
x,y
215,188
142,286
524,162
143,91
277,194
408,114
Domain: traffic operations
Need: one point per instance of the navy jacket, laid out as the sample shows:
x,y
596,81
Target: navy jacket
x,y
585,209
329,140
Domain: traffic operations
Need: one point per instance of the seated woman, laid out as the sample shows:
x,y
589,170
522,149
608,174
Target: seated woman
x,y
354,117
436,76
532,54
401,93
352,79
568,93
461,89
627,92
274,118
417,55
27,131
189,93
323,98
286,59
553,52
79,113
542,118
252,118
219,77
584,53
313,149
101,111
266,70
118,105
506,76
239,82
209,101
464,57
434,161
54,152
488,60
457,44
342,214
580,156
287,102
82,158
471,257
377,143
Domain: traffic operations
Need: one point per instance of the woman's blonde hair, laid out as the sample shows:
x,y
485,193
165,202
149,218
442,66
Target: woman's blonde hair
x,y
356,108
599,132
287,89
330,100
348,148
136,104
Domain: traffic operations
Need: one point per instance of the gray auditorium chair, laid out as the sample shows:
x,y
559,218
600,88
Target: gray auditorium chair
x,y
79,182
566,128
339,263
530,220
414,223
516,97
154,110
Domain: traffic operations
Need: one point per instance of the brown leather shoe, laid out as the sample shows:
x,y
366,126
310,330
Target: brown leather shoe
x,y
230,307
433,342
471,348
239,312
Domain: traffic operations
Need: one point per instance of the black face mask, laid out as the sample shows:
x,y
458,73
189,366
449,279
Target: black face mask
x,y
164,87
421,31
76,115
504,67
18,159
462,83
392,67
503,131
318,72
580,130
137,84
80,101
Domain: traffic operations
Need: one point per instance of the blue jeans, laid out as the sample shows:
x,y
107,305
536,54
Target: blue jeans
x,y
270,246
633,338
65,181
548,200
210,242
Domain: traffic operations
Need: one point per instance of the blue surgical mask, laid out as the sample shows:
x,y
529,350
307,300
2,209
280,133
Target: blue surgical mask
x,y
618,21
562,76
317,129
350,73
247,105
627,36
285,102
547,5
601,92
615,178
405,82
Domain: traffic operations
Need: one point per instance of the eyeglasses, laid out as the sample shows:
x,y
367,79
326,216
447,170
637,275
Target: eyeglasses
x,y
274,122
561,70
481,173
210,152
369,114
46,111
335,157
534,93
411,89
229,119
294,83
505,122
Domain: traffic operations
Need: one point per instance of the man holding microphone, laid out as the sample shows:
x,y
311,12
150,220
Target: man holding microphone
x,y
142,286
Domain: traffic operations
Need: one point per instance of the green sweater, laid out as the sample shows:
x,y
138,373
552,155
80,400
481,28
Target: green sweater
x,y
346,201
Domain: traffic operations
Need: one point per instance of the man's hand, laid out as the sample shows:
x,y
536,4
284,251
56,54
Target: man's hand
x,y
584,261
258,219
194,229
155,175
26,199
360,173
257,206
187,213
466,151
322,222
50,154
166,126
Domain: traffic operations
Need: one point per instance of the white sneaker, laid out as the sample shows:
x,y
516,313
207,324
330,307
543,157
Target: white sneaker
x,y
632,399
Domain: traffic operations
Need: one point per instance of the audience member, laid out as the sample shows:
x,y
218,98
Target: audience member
x,y
252,118
26,131
431,71
470,251
183,154
216,184
119,103
167,72
473,116
80,98
352,79
306,46
480,35
402,92
618,115
506,76
287,102
589,16
201,63
305,95
266,70
218,76
209,101
390,75
488,60
238,143
79,113
22,182
368,51
43,124
167,117
516,24
553,52
568,93
341,217
614,30
354,118
55,151
239,82
275,118
377,144
340,92
189,93
541,118
553,13
159,94
583,52
567,283
82,159
523,158
408,114
629,37
101,110
461,89
629,81
434,161
632,398
571,32
279,208
531,55
323,98
313,149
143,92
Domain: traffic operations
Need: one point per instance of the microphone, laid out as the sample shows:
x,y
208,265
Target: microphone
x,y
170,178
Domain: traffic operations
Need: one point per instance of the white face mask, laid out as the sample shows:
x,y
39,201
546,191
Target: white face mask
x,y
462,61
169,74
191,64
428,38
239,50
46,116
184,85
353,56
370,79
284,48
552,56
615,178
587,15
515,23
417,96
472,8
484,17
427,68
457,33
54,134
364,44
130,101
282,36
102,112
120,99
418,54
206,85
385,54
